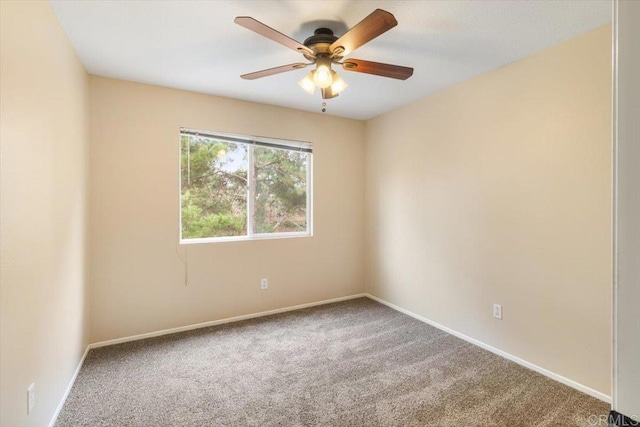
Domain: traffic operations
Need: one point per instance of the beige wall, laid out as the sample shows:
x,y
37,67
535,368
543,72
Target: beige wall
x,y
43,101
498,190
136,276
495,190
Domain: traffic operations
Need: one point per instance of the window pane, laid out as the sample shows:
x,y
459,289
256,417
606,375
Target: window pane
x,y
280,190
214,188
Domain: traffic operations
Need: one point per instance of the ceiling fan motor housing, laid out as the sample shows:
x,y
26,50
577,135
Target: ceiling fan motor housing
x,y
320,41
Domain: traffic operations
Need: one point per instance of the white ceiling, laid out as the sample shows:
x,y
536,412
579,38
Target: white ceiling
x,y
195,45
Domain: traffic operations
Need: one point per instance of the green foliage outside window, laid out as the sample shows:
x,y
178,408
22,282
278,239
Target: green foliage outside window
x,y
280,190
215,190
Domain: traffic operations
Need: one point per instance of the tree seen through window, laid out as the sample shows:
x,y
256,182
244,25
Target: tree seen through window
x,y
218,189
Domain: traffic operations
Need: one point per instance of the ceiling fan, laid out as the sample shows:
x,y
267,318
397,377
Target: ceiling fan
x,y
323,49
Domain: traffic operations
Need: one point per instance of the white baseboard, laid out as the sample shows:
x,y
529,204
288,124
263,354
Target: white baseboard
x,y
69,387
221,321
522,362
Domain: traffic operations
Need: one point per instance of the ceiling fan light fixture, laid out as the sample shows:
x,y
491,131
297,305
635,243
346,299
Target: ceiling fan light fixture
x,y
323,77
307,83
323,49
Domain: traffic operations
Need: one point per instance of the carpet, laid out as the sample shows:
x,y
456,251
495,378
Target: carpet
x,y
353,363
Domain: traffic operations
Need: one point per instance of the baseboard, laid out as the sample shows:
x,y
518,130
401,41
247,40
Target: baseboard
x,y
522,362
221,321
69,387
619,420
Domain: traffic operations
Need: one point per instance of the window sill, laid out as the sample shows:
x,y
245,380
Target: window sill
x,y
245,238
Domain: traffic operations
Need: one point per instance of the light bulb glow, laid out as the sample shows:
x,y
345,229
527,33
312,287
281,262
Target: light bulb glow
x,y
307,83
322,76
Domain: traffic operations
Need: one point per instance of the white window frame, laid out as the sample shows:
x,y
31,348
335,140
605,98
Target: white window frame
x,y
250,142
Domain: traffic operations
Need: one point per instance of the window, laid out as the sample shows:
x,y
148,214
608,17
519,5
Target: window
x,y
237,187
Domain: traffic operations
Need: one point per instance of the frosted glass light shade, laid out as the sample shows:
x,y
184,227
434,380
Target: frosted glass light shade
x,y
337,85
308,84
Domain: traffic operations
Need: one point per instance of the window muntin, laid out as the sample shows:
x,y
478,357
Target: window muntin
x,y
236,188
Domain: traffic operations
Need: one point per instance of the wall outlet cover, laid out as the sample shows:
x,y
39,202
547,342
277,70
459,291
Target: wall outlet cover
x,y
31,398
497,311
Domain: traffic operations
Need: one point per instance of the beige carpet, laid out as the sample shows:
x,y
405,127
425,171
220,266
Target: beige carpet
x,y
355,363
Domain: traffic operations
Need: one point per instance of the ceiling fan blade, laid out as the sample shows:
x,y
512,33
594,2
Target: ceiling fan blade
x,y
377,68
268,32
272,71
377,23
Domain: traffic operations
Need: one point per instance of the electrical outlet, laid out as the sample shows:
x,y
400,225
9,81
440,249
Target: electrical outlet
x,y
264,284
31,398
497,311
